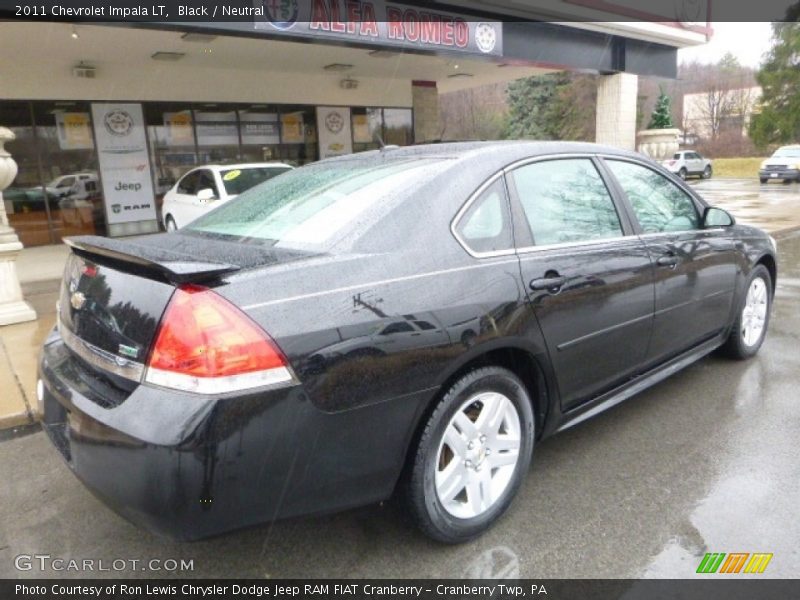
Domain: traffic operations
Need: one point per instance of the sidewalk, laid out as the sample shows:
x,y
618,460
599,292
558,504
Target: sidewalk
x,y
39,271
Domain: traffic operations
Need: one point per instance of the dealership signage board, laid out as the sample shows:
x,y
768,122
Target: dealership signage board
x,y
259,128
124,163
217,128
333,124
379,22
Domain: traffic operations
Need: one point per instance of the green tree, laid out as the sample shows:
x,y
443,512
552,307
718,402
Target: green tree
x,y
662,113
555,106
779,78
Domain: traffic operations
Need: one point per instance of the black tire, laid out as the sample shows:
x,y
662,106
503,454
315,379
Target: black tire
x,y
735,346
707,172
763,179
683,173
418,486
169,224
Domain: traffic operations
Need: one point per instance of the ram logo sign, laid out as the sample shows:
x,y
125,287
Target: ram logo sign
x,y
736,562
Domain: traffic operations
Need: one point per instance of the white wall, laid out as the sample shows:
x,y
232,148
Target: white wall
x,y
29,79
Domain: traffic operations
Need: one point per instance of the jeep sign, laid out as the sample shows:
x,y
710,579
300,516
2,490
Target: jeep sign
x,y
124,162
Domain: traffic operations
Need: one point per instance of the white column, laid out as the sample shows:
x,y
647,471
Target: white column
x,y
425,102
13,309
616,110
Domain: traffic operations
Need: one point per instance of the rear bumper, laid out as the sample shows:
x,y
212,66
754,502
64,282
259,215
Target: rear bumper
x,y
189,467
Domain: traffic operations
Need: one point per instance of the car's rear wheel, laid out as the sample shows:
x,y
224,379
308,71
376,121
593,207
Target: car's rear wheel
x,y
169,223
763,179
752,319
472,455
707,172
682,173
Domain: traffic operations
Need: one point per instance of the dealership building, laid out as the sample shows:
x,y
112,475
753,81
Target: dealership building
x,y
106,117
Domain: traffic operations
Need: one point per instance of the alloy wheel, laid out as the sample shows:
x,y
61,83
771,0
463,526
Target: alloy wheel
x,y
478,455
754,313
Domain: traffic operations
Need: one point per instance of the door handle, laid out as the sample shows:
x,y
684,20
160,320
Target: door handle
x,y
549,284
668,260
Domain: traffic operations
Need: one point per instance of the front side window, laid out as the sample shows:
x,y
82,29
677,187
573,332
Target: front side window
x,y
486,226
659,205
188,185
566,201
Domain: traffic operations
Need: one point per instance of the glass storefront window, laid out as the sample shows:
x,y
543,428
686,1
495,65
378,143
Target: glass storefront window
x,y
25,199
259,125
298,135
217,131
69,173
398,126
367,126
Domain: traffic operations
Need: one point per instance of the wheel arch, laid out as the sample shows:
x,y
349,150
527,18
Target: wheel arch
x,y
772,266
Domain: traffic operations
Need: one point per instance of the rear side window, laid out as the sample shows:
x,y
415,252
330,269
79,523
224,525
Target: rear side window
x,y
566,201
486,225
659,204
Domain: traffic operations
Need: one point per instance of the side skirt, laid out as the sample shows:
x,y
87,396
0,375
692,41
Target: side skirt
x,y
641,383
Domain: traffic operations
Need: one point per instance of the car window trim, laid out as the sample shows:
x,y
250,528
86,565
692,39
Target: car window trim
x,y
465,208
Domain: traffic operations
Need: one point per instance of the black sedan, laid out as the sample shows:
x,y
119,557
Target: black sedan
x,y
404,321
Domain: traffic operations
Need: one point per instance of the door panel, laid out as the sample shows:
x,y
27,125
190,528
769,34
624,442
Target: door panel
x,y
695,269
590,287
598,323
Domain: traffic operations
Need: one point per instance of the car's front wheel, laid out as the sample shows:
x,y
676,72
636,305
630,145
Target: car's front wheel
x,y
763,179
706,172
169,223
752,319
472,455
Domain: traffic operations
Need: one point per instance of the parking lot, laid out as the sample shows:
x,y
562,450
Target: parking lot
x,y
704,462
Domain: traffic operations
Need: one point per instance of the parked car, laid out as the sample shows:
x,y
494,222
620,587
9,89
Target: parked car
x,y
205,188
78,186
585,274
783,165
689,162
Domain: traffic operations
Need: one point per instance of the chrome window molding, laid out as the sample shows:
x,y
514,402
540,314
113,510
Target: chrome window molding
x,y
102,359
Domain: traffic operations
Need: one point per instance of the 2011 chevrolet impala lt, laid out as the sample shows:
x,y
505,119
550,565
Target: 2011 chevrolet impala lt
x,y
406,321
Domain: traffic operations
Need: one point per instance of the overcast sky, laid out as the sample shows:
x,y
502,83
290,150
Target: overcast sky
x,y
747,41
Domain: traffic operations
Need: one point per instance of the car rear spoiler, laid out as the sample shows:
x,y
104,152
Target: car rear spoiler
x,y
172,266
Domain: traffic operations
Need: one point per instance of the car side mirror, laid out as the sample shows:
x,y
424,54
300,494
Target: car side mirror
x,y
716,217
206,194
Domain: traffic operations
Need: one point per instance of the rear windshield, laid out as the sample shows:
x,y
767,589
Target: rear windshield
x,y
237,181
313,207
787,153
676,156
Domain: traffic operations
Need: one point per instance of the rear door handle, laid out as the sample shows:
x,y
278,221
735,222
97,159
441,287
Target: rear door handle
x,y
549,284
668,260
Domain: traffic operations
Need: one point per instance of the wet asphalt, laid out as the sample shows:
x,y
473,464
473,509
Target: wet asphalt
x,y
706,461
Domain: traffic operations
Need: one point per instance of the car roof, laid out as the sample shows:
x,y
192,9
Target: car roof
x,y
260,165
505,151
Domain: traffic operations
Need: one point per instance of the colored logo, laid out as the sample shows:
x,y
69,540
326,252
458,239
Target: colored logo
x,y
118,122
736,562
282,14
485,37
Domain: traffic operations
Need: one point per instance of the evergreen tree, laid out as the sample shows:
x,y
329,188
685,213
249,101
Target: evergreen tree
x,y
779,78
662,116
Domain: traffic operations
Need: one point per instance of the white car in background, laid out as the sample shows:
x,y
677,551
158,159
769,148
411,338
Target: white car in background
x,y
205,188
689,162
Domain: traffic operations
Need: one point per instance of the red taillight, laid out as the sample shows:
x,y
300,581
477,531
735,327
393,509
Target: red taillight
x,y
205,344
671,162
